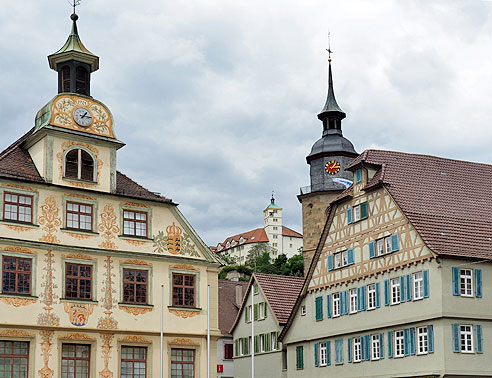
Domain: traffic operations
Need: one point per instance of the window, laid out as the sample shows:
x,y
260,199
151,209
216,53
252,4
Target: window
x,y
418,286
275,228
422,347
135,286
78,281
395,291
81,80
303,311
182,363
75,361
466,282
380,246
299,357
375,352
358,176
338,260
262,342
134,362
356,213
322,354
274,340
275,219
399,344
261,310
275,244
14,356
228,352
65,79
371,297
79,164
336,304
183,290
387,242
17,208
275,236
345,260
466,339
353,301
357,349
16,275
79,216
135,224
256,289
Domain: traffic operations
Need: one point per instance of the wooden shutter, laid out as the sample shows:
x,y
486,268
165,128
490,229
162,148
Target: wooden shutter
x,y
368,347
386,293
256,311
425,276
350,256
330,262
456,281
478,283
378,295
256,344
430,339
390,344
403,290
406,342
319,308
412,341
316,354
363,210
265,310
372,249
349,349
381,346
395,245
479,339
328,353
349,216
328,306
456,337
363,298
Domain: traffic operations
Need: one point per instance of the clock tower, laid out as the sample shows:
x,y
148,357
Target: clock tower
x,y
327,160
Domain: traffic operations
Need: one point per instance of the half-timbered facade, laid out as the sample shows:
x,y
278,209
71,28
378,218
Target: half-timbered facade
x,y
399,283
85,250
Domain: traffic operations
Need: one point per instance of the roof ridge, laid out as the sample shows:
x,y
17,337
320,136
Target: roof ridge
x,y
15,144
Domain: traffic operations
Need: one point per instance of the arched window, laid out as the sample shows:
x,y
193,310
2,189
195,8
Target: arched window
x,y
79,164
81,80
65,79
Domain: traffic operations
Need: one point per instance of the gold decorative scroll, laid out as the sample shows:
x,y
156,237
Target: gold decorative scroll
x,y
184,313
135,339
135,310
17,302
77,336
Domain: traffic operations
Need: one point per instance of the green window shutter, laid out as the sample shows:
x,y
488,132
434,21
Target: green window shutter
x,y
390,344
266,309
386,293
456,337
349,349
302,357
319,308
412,341
478,283
358,175
246,314
299,357
350,256
372,249
256,311
378,295
277,343
363,210
267,342
425,275
456,281
406,341
236,348
330,262
395,245
381,346
256,344
479,339
328,353
316,354
403,290
349,216
430,339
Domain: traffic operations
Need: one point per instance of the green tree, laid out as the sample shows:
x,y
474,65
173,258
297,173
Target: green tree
x,y
294,266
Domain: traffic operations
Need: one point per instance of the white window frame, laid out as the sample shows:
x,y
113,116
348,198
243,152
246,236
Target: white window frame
x,y
356,213
375,348
357,349
418,286
344,258
380,247
261,310
466,282
303,310
241,348
466,338
262,342
422,340
399,344
395,291
337,260
371,297
336,304
273,340
322,354
387,244
353,301
250,313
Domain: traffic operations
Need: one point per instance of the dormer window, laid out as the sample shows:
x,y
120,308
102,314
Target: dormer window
x,y
79,164
358,176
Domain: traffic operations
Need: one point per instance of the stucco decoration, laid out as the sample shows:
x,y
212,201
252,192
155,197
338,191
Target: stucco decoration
x,y
136,243
135,310
45,371
108,300
135,339
77,336
106,353
80,196
136,262
80,256
18,228
17,302
183,266
134,204
21,187
78,313
108,227
184,313
93,149
19,250
50,220
79,236
182,341
48,296
16,333
175,241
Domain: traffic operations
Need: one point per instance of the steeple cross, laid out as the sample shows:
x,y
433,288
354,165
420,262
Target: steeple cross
x,y
328,49
74,3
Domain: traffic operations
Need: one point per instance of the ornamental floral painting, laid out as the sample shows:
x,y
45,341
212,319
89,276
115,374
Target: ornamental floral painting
x,y
108,301
48,296
175,241
50,220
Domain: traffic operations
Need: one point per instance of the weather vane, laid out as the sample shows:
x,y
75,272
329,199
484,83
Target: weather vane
x,y
328,49
74,3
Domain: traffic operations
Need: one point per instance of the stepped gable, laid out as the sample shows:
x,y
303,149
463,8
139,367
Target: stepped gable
x,y
227,304
447,201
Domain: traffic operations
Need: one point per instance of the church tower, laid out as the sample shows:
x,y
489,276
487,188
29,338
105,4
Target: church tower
x,y
328,158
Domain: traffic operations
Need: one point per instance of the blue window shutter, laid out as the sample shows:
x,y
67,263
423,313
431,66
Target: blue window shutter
x,y
390,344
319,308
368,347
341,351
378,295
363,297
406,342
456,337
358,176
395,245
478,283
337,351
328,306
342,303
349,349
430,339
456,281
412,341
362,348
381,345
349,216
425,275
386,293
363,210
372,249
330,262
345,300
409,287
359,299
350,256
316,354
479,339
403,289
328,353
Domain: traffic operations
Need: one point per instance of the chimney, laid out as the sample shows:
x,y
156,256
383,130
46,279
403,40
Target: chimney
x,y
239,295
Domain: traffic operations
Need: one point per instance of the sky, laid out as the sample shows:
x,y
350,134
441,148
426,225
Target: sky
x,y
216,100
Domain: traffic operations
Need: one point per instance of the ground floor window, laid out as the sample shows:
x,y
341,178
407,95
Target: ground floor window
x,y
133,362
182,363
14,359
75,361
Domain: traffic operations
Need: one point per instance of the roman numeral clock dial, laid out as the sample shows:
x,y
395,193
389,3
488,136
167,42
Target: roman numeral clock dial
x,y
332,167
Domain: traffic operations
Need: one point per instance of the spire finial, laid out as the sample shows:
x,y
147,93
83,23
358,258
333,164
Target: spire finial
x,y
273,199
329,48
74,3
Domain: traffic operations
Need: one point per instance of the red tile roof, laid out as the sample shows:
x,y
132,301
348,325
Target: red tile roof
x,y
286,231
254,236
228,308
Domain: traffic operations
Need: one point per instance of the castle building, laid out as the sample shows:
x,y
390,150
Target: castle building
x,y
280,238
85,251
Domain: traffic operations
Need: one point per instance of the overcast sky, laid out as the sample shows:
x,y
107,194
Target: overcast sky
x,y
217,99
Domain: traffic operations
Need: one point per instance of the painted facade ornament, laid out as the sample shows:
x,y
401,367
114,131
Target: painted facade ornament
x,y
50,220
183,266
77,336
48,296
108,227
135,310
108,301
16,333
80,256
45,371
17,302
135,339
175,241
78,313
18,228
182,341
184,313
136,262
21,187
74,195
79,236
134,204
136,243
106,353
19,250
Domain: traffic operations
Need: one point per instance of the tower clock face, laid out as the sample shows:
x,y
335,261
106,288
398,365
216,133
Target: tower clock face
x,y
332,167
82,116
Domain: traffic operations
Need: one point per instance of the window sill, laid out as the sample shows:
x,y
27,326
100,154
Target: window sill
x,y
78,231
126,304
140,238
90,182
89,301
14,295
22,224
196,309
